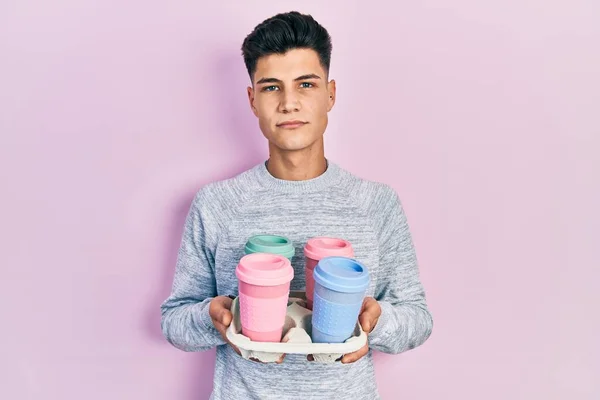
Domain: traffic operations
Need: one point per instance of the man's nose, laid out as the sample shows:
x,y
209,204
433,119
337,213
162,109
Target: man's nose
x,y
289,102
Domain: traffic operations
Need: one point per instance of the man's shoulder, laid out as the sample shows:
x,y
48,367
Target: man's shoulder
x,y
225,192
370,192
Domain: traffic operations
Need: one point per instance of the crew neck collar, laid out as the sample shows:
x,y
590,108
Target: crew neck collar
x,y
328,178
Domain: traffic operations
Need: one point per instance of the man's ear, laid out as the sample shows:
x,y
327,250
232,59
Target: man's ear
x,y
251,100
331,90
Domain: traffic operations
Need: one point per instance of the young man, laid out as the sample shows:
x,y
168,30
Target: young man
x,y
298,194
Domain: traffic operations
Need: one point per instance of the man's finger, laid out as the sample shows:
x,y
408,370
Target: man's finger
x,y
279,361
368,322
371,305
222,329
370,312
221,310
225,317
218,304
365,321
219,327
352,357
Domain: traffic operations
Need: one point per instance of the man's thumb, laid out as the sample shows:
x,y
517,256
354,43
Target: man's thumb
x,y
225,317
365,322
225,314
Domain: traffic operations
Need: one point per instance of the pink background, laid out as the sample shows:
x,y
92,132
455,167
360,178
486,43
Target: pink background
x,y
485,117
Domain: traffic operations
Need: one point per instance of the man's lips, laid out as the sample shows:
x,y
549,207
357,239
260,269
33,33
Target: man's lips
x,y
291,124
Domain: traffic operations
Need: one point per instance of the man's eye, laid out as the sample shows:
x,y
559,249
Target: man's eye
x,y
306,85
269,88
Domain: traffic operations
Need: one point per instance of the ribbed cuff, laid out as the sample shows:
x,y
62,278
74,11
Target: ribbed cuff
x,y
206,324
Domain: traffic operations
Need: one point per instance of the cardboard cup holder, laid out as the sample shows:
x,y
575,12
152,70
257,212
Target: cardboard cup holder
x,y
296,336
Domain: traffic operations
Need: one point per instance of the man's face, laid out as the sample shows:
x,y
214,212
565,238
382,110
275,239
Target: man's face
x,y
291,98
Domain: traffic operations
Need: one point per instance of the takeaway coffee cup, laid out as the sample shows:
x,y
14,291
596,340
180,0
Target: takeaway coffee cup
x,y
340,287
317,249
264,287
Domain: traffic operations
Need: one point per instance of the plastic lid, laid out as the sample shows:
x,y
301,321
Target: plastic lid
x,y
342,274
321,247
264,269
270,244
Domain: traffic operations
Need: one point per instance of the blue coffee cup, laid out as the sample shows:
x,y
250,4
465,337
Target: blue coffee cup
x,y
340,286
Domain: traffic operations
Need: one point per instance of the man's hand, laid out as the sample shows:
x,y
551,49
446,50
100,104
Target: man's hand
x,y
369,315
220,313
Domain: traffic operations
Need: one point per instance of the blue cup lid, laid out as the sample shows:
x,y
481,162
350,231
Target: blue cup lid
x,y
342,274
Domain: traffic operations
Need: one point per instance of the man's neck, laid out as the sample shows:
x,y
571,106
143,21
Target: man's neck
x,y
297,166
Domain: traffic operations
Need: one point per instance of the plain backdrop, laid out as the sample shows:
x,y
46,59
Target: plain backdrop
x,y
483,115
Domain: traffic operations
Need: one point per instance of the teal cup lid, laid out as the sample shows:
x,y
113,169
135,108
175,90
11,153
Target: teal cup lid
x,y
271,244
342,274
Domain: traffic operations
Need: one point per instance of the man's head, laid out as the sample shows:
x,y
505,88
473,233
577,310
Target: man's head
x,y
288,58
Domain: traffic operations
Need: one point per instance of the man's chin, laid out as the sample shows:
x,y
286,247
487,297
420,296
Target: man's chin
x,y
292,145
291,148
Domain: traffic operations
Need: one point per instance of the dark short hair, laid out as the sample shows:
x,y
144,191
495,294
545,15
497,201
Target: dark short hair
x,y
284,32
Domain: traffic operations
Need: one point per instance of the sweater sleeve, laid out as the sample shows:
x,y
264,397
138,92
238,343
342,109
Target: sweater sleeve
x,y
405,320
185,322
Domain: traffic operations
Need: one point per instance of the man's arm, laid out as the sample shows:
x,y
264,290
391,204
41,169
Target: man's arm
x,y
186,321
405,321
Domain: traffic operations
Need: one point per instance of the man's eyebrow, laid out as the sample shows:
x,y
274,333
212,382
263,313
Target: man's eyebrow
x,y
268,80
300,78
307,76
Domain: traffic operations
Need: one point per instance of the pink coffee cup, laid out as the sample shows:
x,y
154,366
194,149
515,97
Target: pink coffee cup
x,y
317,249
264,288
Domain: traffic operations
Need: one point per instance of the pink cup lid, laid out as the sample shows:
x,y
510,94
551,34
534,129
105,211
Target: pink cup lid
x,y
262,269
321,247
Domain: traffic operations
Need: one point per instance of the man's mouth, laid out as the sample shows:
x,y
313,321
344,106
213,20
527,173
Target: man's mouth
x,y
291,124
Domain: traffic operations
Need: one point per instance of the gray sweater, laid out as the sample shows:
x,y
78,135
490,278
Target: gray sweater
x,y
338,204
